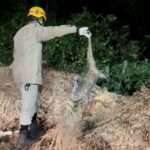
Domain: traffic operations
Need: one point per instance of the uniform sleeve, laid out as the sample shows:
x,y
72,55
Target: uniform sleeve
x,y
47,33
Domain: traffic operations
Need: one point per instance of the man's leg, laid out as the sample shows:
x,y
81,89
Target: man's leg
x,y
29,102
29,106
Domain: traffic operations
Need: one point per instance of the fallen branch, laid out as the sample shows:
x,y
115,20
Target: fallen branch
x,y
7,133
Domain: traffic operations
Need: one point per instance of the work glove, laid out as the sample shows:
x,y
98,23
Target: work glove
x,y
85,32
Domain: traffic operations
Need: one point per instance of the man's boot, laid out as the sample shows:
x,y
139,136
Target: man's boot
x,y
34,128
28,134
24,138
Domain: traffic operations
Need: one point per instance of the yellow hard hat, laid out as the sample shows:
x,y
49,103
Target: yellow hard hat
x,y
37,12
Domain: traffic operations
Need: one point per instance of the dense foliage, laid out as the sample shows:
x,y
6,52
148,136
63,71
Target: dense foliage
x,y
114,51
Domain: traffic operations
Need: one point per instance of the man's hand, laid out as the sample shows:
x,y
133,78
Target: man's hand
x,y
85,32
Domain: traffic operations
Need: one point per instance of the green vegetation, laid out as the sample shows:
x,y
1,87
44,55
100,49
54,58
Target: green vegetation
x,y
7,31
114,51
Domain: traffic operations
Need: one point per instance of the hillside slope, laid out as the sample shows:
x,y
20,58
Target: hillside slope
x,y
114,122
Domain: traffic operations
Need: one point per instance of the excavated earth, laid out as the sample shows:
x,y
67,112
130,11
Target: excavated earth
x,y
115,122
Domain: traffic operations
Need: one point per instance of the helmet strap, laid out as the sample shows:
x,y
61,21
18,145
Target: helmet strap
x,y
40,21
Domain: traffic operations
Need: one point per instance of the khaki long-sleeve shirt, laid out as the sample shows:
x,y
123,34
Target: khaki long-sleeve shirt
x,y
27,64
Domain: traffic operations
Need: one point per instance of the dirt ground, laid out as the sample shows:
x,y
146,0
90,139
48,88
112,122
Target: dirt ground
x,y
115,122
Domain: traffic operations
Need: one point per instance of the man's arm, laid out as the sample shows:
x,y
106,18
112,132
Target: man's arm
x,y
47,33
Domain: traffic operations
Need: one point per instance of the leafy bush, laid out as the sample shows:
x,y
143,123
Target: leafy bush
x,y
7,31
67,53
127,77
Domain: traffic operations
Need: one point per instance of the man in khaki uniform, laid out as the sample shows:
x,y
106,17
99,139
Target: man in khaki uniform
x,y
27,67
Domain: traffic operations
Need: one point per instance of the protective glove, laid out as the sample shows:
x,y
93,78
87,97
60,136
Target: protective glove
x,y
85,32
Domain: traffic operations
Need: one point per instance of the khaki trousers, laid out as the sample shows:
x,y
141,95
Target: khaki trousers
x,y
29,102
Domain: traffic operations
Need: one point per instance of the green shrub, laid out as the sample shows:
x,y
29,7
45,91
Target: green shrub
x,y
127,77
67,53
7,31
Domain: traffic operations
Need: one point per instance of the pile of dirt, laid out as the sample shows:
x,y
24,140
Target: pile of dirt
x,y
114,122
